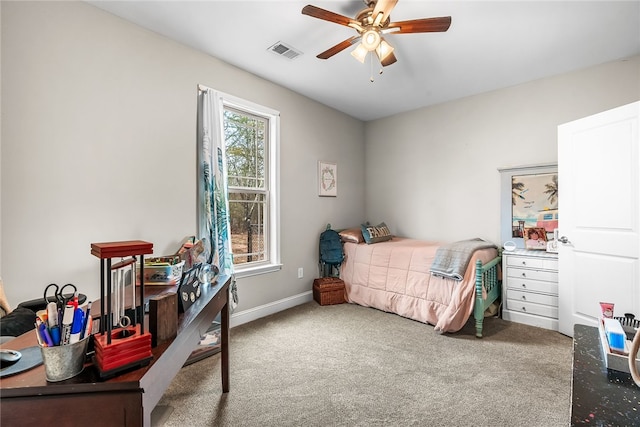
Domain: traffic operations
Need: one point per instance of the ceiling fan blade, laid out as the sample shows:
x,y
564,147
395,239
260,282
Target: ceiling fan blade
x,y
384,7
338,48
388,60
326,15
426,25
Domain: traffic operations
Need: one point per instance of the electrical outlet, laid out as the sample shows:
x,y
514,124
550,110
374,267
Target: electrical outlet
x,y
300,273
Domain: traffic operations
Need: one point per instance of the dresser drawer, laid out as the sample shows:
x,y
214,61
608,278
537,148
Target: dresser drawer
x,y
532,308
520,296
547,264
523,273
532,285
530,288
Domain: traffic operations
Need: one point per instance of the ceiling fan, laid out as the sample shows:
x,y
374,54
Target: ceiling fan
x,y
372,23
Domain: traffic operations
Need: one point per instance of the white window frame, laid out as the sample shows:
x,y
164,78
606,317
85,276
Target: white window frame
x,y
272,263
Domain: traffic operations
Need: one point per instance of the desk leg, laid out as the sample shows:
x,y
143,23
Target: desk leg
x,y
224,326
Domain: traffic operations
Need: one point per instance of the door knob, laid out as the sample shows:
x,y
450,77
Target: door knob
x,y
563,239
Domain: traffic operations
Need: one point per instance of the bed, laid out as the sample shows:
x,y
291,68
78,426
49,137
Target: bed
x,y
395,276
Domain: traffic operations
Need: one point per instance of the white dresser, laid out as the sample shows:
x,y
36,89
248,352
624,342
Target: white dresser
x,y
530,288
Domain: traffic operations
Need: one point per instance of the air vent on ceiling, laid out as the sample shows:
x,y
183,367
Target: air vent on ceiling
x,y
285,50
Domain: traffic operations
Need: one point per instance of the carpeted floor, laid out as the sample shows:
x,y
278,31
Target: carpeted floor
x,y
346,365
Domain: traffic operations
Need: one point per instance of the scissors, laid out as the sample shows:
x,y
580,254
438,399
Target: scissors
x,y
58,294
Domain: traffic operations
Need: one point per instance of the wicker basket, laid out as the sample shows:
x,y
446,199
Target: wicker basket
x,y
161,272
328,290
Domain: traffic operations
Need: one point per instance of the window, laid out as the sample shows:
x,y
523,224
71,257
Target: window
x,y
251,134
246,143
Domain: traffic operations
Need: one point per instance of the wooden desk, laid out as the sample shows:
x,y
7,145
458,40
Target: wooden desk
x,y
600,397
126,400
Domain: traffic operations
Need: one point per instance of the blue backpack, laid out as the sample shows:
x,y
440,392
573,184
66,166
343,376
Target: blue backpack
x,y
331,253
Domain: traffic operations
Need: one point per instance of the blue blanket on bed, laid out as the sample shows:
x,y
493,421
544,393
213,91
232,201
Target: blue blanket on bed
x,y
451,260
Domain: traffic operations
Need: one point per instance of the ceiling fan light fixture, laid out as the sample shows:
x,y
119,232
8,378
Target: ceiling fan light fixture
x,y
371,24
360,53
371,39
384,49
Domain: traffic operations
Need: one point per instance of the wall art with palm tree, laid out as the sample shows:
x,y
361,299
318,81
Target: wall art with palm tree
x,y
534,202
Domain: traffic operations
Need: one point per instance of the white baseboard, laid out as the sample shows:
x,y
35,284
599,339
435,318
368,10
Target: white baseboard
x,y
245,316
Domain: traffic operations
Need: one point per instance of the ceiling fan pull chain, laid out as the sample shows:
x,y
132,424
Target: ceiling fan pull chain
x,y
371,67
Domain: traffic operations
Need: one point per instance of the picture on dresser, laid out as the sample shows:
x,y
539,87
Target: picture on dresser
x,y
534,200
535,238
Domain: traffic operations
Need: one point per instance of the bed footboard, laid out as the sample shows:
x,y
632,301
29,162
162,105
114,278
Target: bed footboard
x,y
487,277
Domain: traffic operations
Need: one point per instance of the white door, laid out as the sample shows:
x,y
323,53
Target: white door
x,y
599,189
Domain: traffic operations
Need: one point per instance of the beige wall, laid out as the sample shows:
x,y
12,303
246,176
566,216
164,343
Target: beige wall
x,y
432,173
99,144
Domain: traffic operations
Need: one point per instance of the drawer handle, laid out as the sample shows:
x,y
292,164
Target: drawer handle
x,y
524,297
524,262
524,286
524,274
524,308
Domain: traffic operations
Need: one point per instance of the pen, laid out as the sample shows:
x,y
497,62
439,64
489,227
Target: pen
x,y
55,335
89,330
74,301
47,336
38,337
52,314
67,322
87,318
44,332
76,326
42,315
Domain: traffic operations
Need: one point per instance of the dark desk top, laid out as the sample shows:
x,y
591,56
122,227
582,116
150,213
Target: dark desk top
x,y
600,397
34,381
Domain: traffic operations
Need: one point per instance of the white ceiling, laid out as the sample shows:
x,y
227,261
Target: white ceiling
x,y
490,45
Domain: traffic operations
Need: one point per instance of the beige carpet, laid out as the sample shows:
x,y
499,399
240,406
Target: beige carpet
x,y
346,365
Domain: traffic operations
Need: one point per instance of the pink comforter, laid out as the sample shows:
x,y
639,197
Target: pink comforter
x,y
394,276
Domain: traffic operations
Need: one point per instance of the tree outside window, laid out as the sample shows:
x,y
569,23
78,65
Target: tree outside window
x,y
246,139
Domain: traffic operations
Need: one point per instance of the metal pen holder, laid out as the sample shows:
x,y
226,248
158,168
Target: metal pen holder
x,y
62,362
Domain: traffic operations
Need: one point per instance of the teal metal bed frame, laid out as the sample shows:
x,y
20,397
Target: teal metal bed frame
x,y
486,276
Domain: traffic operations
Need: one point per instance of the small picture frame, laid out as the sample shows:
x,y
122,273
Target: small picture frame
x,y
327,179
189,288
535,238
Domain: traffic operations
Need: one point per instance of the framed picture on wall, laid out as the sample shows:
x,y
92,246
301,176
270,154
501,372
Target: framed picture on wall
x,y
534,202
528,199
327,179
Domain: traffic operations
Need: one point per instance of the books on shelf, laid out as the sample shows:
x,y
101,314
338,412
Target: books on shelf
x,y
209,344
